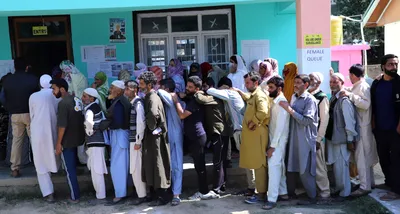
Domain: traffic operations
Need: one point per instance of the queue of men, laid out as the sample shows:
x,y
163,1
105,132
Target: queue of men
x,y
279,140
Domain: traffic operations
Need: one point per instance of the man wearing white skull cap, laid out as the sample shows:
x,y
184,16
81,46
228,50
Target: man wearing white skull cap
x,y
43,113
316,79
96,162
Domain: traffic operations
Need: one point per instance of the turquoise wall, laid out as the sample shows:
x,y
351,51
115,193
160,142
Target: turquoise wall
x,y
5,45
93,29
262,21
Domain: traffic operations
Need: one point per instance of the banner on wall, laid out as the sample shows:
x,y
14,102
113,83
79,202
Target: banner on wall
x,y
117,30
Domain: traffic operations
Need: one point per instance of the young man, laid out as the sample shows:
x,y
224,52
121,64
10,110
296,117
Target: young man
x,y
366,155
118,116
302,137
156,151
175,137
137,127
17,90
278,134
341,135
43,113
255,134
193,117
316,79
95,142
71,133
385,97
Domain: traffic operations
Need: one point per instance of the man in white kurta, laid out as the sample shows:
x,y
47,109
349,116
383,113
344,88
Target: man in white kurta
x,y
366,155
278,135
43,113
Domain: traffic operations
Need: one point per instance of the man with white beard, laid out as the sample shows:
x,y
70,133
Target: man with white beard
x,y
43,113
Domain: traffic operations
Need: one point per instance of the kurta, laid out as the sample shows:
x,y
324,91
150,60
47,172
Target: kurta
x,y
156,165
303,133
43,112
254,143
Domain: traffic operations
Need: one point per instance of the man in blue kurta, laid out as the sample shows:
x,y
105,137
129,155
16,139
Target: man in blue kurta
x,y
175,137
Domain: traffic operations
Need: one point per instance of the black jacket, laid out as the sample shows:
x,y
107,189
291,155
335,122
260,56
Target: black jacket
x,y
395,96
18,88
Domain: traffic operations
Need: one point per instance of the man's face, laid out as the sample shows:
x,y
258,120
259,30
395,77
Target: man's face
x,y
191,89
114,92
143,87
353,78
335,84
129,93
391,66
273,90
250,85
86,99
313,82
56,91
299,86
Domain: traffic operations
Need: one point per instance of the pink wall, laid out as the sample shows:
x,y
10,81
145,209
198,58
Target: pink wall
x,y
347,55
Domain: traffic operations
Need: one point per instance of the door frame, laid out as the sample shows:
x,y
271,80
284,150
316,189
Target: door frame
x,y
15,40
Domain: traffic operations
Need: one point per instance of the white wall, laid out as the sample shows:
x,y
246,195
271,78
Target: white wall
x,y
392,41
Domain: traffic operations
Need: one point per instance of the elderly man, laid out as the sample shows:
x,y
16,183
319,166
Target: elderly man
x,y
137,126
95,142
316,79
303,136
43,113
366,155
118,115
175,138
156,171
255,134
340,134
71,133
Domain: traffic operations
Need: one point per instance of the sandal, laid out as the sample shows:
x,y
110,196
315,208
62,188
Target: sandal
x,y
175,201
390,197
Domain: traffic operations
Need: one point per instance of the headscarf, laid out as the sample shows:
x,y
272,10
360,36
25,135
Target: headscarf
x,y
177,69
56,73
124,75
237,77
159,74
241,66
103,89
206,68
268,71
77,82
142,68
288,90
198,73
254,65
45,81
274,63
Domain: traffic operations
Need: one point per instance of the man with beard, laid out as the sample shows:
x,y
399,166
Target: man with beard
x,y
278,134
255,134
316,79
156,171
193,117
303,136
385,97
71,133
340,135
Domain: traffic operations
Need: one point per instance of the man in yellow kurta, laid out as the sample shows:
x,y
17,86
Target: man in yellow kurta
x,y
255,134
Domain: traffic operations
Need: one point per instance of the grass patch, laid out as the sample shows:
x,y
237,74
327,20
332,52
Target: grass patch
x,y
365,205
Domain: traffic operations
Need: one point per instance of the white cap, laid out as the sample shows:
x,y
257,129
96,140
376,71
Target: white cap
x,y
339,75
318,76
119,84
45,81
91,92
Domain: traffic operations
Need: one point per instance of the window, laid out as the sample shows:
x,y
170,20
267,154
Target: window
x,y
191,36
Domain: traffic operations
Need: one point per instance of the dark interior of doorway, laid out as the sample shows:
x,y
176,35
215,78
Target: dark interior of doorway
x,y
44,56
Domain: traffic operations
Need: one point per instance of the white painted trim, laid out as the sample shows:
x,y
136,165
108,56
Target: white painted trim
x,y
185,13
369,12
384,10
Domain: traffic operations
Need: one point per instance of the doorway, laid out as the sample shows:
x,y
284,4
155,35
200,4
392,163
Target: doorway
x,y
42,41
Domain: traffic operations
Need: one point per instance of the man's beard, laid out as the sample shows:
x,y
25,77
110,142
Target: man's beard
x,y
58,95
391,73
144,90
273,94
189,94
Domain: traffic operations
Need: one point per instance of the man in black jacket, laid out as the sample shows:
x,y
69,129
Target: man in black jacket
x,y
385,97
17,90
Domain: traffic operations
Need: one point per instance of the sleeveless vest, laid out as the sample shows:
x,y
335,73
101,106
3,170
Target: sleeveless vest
x,y
320,96
132,121
127,107
97,139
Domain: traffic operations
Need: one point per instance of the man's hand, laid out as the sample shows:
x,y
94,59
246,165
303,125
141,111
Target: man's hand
x,y
252,126
350,147
234,89
137,146
174,97
58,149
284,104
344,93
182,95
318,146
94,85
270,151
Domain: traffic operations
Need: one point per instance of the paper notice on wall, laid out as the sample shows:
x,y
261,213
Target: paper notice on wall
x,y
6,66
98,53
254,49
111,69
